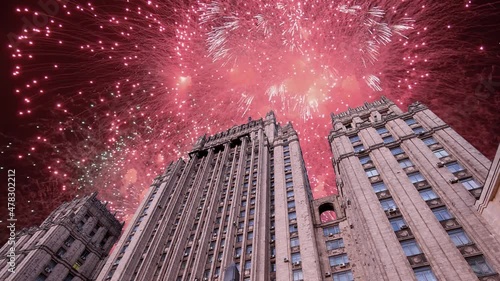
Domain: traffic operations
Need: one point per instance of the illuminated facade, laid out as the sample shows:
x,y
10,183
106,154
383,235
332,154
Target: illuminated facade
x,y
240,207
71,244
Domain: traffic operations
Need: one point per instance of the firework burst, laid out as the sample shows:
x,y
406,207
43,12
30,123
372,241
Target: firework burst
x,y
117,90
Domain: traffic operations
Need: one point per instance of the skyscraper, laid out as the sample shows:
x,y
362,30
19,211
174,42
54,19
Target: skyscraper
x,y
242,197
240,207
71,244
409,183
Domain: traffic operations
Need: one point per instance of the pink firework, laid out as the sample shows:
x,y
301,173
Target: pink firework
x,y
117,90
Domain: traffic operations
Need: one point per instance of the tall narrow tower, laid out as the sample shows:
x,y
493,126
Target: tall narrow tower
x,y
238,206
408,183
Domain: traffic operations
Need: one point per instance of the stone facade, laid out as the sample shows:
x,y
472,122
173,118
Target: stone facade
x,y
240,207
240,202
71,244
408,184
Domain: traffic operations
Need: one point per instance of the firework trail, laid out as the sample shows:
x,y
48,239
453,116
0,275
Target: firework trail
x,y
117,90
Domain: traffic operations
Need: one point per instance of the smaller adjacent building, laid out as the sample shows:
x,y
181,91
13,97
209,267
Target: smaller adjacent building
x,y
71,244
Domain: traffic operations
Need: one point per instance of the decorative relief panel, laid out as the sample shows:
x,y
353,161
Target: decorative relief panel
x,y
450,224
417,260
495,277
469,250
434,202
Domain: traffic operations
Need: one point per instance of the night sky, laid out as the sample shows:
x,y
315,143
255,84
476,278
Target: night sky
x,y
105,94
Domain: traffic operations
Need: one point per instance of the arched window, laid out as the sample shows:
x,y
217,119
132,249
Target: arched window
x,y
327,212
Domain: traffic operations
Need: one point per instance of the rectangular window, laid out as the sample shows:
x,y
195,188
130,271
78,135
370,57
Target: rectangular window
x,y
286,153
410,121
429,141
424,274
294,242
289,194
249,249
69,277
396,151
338,260
289,184
334,229
364,159
372,172
388,139
77,265
343,276
292,216
379,186
440,153
295,257
427,194
239,238
237,251
388,204
248,265
293,228
397,223
69,241
359,148
442,214
297,275
250,236
335,244
382,130
354,139
405,163
459,237
410,247
251,211
416,177
454,167
479,266
288,176
291,204
60,253
470,183
418,130
84,254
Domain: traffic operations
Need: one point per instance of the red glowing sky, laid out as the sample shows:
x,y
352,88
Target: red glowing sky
x,y
102,97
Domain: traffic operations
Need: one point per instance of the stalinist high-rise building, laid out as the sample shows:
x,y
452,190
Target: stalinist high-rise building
x,y
240,207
